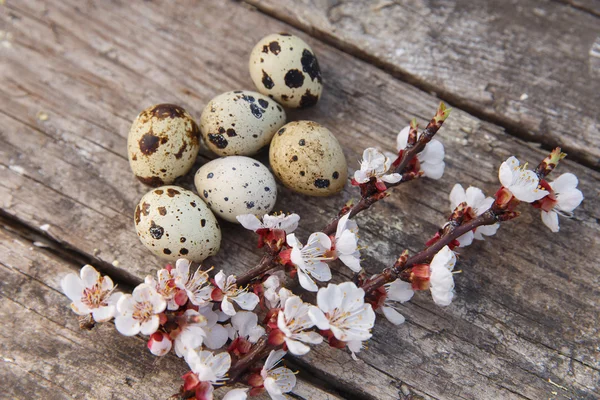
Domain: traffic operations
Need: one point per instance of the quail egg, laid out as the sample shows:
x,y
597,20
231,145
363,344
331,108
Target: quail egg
x,y
236,185
284,67
174,223
240,122
307,158
163,144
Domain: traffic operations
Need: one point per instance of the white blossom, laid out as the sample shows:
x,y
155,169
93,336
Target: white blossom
x,y
288,223
521,182
342,309
91,293
209,367
441,281
215,334
138,311
567,198
431,159
294,322
244,324
479,204
375,164
165,286
397,291
271,290
231,293
278,380
346,243
191,333
309,259
196,285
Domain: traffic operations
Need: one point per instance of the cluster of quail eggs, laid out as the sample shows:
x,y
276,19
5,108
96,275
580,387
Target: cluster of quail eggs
x,y
164,141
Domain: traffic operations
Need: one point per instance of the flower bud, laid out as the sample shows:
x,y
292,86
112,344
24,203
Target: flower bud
x,y
159,344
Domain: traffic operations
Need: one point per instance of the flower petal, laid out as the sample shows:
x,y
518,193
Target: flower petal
x,y
457,196
246,300
127,325
550,219
89,276
249,221
103,314
72,286
150,326
402,138
329,298
306,282
296,347
393,316
236,394
318,318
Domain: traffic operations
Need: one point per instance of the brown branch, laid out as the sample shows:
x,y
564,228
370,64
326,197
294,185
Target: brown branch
x,y
259,351
391,273
265,264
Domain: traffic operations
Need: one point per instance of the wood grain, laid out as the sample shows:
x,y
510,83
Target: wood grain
x,y
525,314
531,66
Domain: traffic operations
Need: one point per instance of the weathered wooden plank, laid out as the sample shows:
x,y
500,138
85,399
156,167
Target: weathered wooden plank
x,y
46,355
532,66
523,314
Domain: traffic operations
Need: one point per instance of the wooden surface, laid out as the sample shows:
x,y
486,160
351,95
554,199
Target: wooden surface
x,y
533,66
75,74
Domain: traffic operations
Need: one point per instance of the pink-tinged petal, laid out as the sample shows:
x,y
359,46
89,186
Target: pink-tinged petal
x,y
103,314
474,196
296,347
353,297
227,306
107,283
89,276
352,261
236,394
568,201
250,222
550,219
221,280
127,325
400,291
125,304
402,138
182,268
318,318
564,183
142,292
216,336
466,239
393,316
329,298
392,178
150,326
247,301
457,195
433,171
161,345
306,282
72,287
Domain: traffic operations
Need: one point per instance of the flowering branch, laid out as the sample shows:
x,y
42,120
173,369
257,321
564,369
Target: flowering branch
x,y
196,315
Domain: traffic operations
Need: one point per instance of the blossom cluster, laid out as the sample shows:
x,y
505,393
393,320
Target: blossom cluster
x,y
224,326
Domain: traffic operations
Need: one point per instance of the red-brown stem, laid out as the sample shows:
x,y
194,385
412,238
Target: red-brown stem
x,y
391,273
259,351
265,264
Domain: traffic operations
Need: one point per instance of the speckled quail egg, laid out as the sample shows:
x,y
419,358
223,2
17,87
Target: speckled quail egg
x,y
163,144
236,185
240,122
174,223
307,158
285,68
